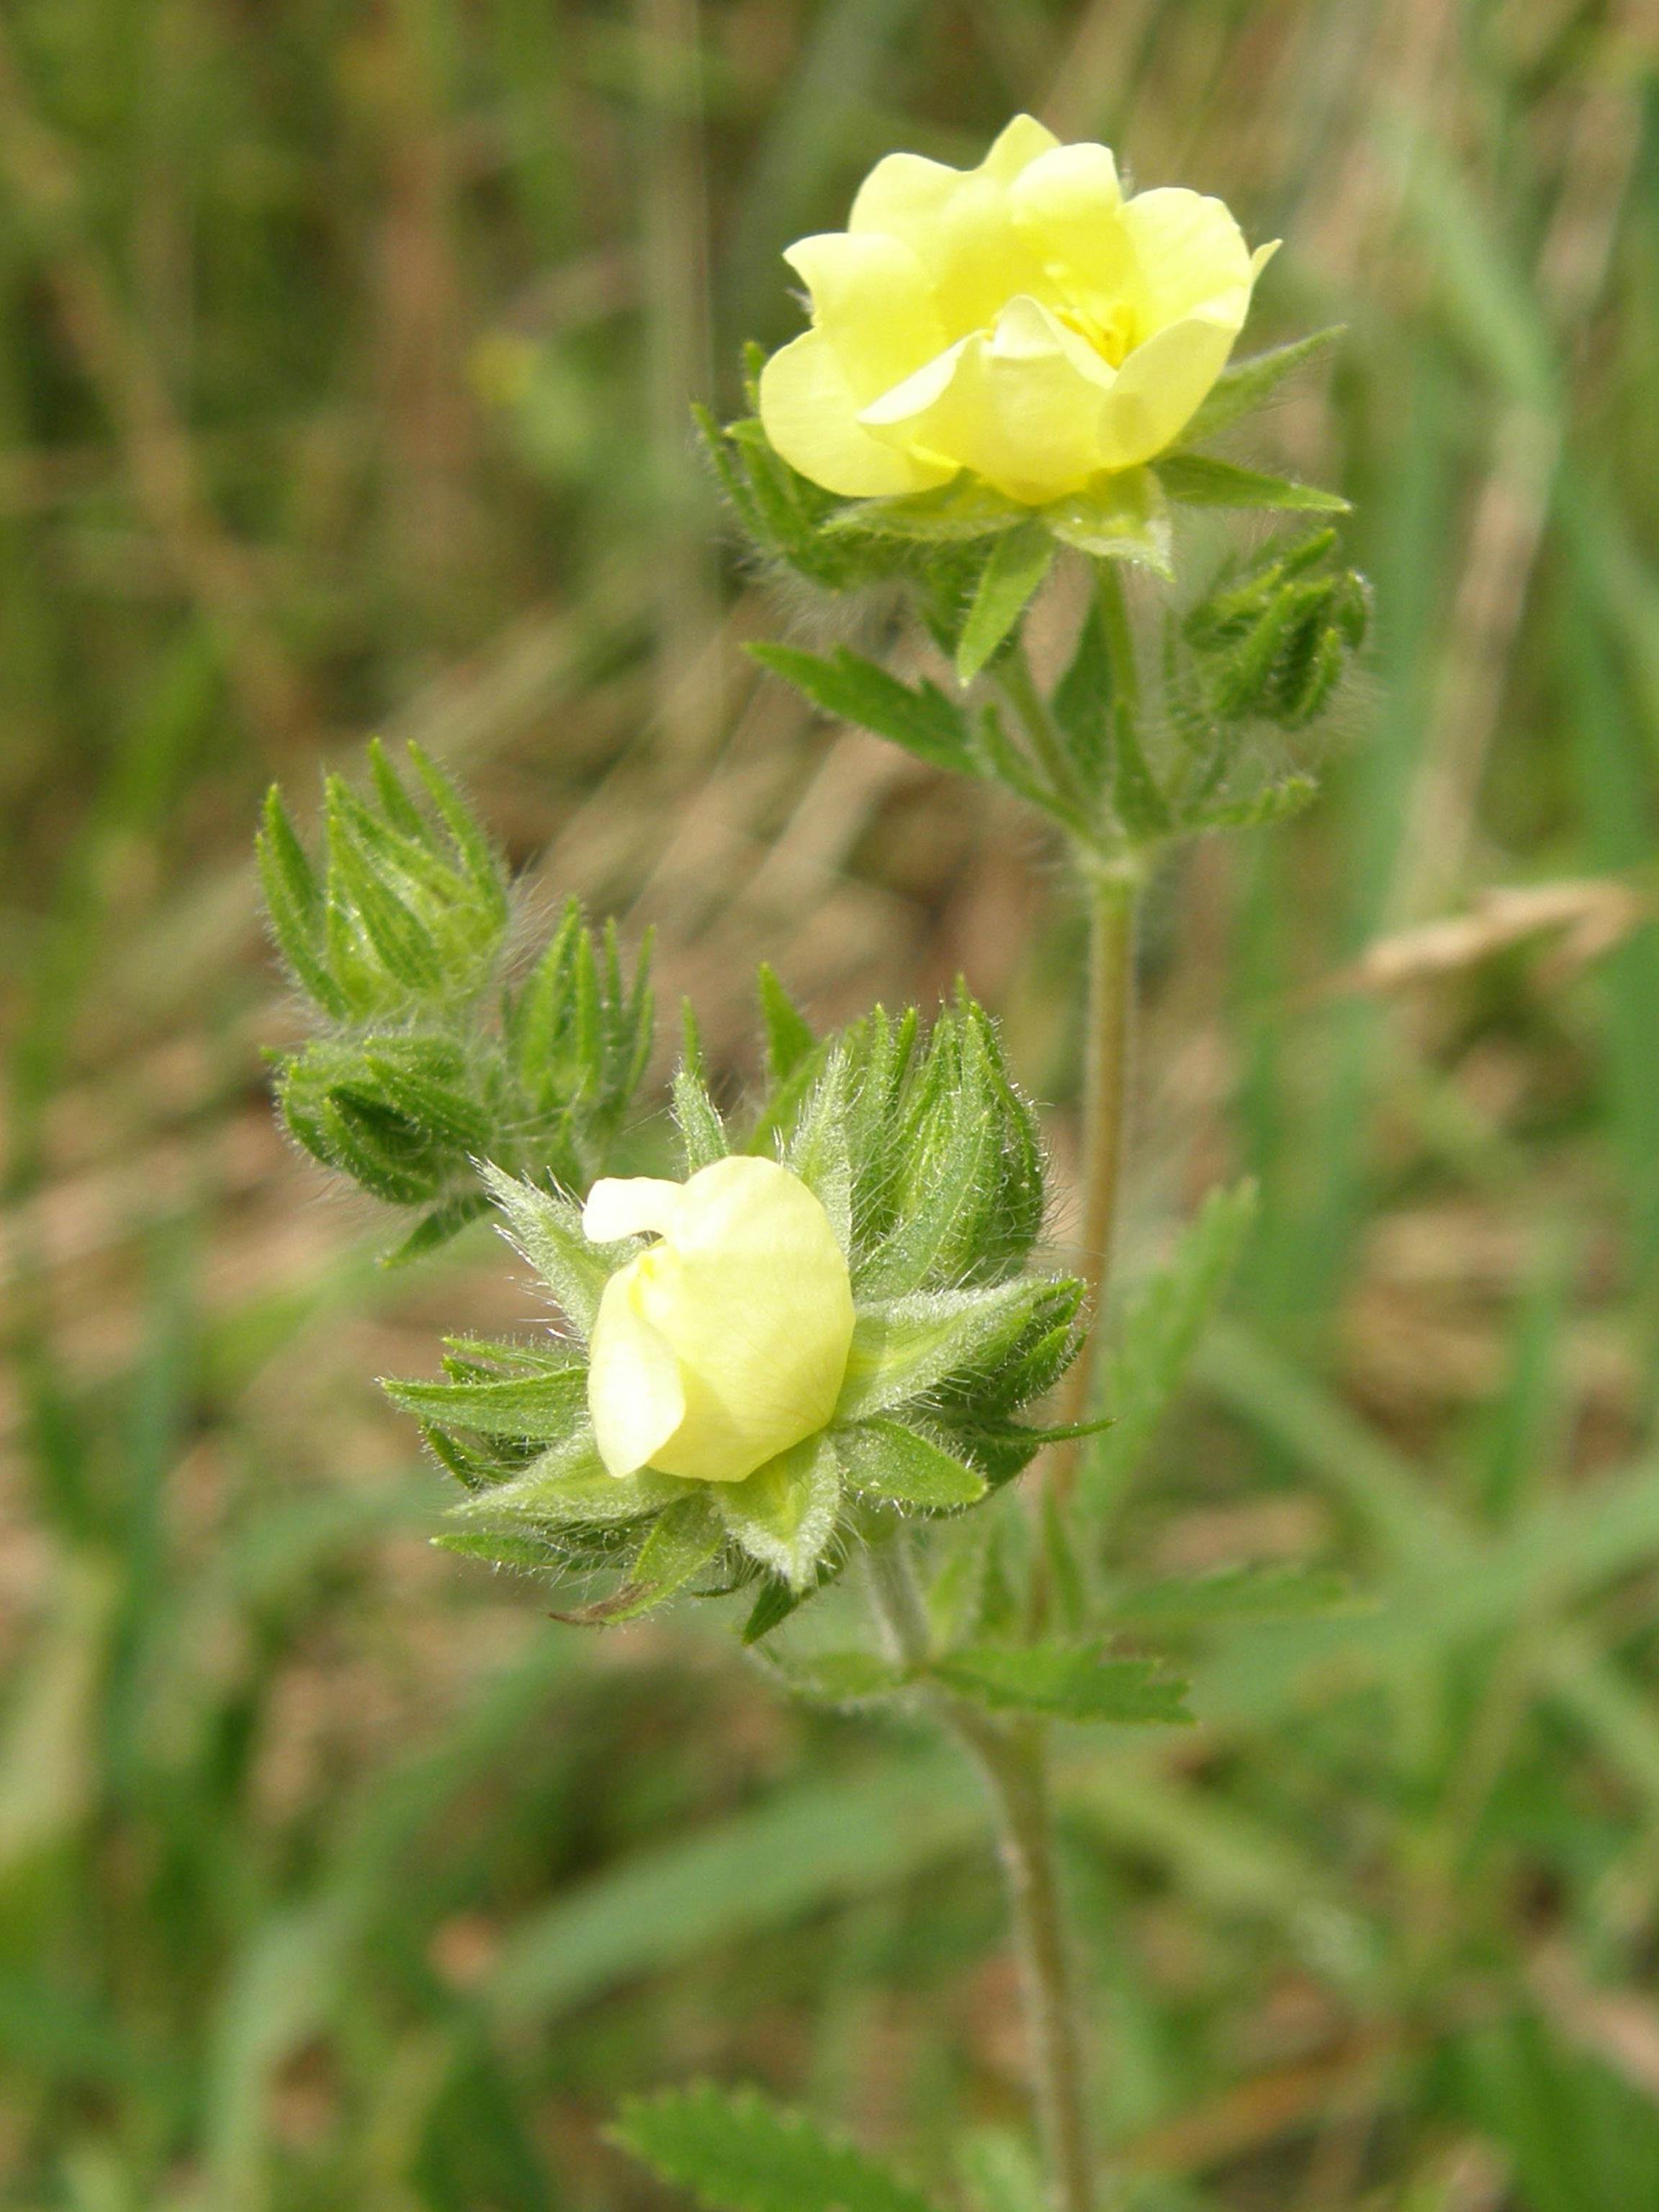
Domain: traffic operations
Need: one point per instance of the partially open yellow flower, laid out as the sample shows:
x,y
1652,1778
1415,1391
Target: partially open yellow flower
x,y
1022,319
726,1341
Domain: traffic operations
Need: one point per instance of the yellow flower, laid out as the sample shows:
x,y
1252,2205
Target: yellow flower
x,y
726,1341
1022,319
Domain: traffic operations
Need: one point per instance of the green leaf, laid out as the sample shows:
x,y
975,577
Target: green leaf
x,y
1137,801
1245,384
1065,1682
789,1040
1082,703
1019,561
1122,516
1237,1593
904,1348
736,2153
784,1514
853,689
547,1230
842,1677
1158,1336
884,1459
1201,480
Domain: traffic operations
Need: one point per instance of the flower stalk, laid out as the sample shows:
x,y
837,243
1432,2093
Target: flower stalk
x,y
1013,1760
1115,894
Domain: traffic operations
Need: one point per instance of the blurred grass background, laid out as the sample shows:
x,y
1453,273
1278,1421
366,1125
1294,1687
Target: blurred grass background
x,y
343,355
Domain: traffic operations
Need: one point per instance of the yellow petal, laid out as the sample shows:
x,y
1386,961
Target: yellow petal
x,y
628,1205
1021,409
873,300
1158,388
634,1394
753,1294
1015,146
1068,207
810,414
959,224
1193,258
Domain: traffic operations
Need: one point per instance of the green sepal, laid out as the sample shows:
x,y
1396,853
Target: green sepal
x,y
790,1043
702,1133
778,1599
682,1542
1244,384
892,1464
967,507
425,1080
784,1514
435,1230
905,1349
570,1487
967,1190
819,1153
1202,480
1120,516
539,1408
548,1230
1062,1681
293,905
525,1555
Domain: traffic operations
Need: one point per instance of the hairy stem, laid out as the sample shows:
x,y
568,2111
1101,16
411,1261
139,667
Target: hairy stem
x,y
1019,686
1114,895
1011,1759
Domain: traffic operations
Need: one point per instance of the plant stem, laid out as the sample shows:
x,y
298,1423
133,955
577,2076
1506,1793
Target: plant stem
x,y
1018,685
1011,1759
1120,639
1114,895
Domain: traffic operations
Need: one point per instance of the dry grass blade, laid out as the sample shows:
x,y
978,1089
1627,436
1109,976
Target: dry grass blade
x,y
1595,914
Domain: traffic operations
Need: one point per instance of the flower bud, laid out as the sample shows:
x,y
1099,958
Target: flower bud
x,y
725,1342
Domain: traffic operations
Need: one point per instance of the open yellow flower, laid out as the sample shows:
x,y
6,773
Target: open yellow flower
x,y
725,1342
1022,319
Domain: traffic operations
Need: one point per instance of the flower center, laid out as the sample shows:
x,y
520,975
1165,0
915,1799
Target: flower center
x,y
1112,333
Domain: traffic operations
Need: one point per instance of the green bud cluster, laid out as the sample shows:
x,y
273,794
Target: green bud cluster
x,y
434,1057
926,1158
1274,641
